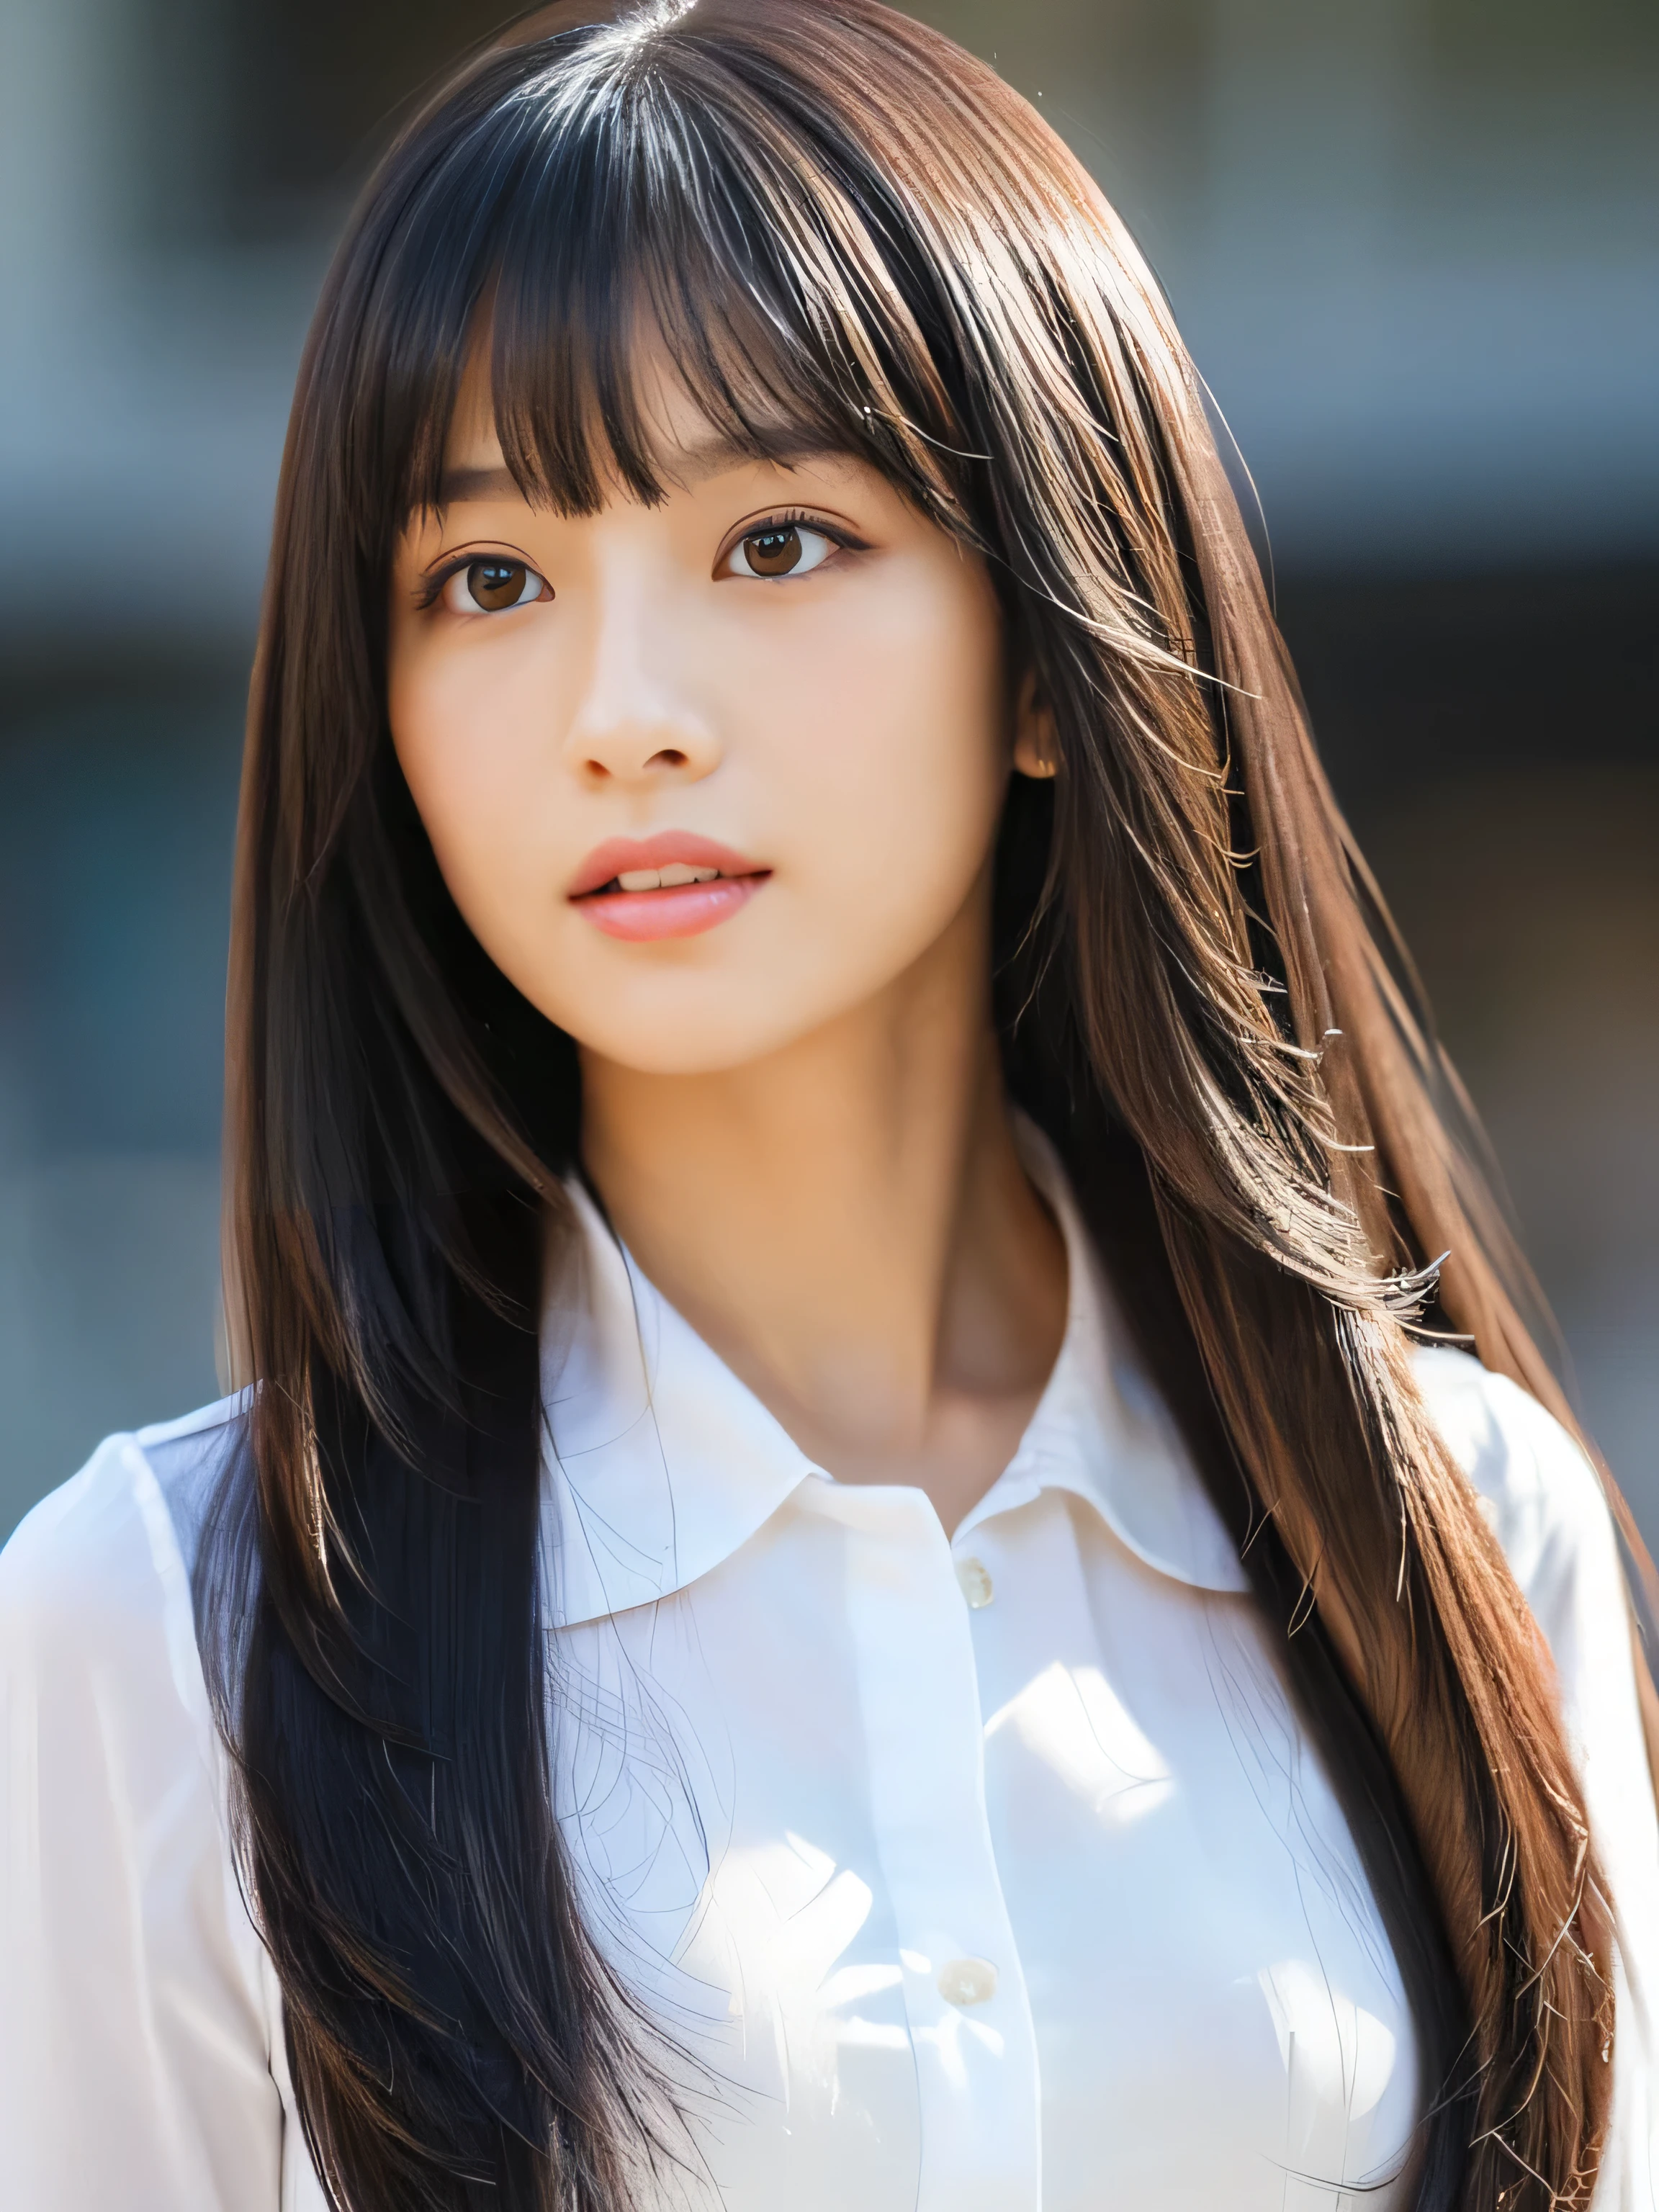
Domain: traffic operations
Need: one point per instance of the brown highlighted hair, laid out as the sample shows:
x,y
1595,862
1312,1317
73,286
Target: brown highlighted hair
x,y
842,225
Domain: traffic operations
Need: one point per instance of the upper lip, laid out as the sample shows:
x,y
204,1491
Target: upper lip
x,y
619,854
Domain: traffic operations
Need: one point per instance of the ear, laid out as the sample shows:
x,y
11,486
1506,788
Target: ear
x,y
1036,753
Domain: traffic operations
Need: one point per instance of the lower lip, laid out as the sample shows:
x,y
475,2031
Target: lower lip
x,y
641,917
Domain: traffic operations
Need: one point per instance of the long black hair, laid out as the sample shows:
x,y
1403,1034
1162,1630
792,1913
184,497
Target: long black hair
x,y
840,225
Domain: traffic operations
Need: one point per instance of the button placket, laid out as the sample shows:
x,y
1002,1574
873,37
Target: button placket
x,y
969,2014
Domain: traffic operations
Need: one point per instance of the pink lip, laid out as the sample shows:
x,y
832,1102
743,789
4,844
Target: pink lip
x,y
685,910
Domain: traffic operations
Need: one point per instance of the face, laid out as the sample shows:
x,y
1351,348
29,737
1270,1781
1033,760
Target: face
x,y
705,776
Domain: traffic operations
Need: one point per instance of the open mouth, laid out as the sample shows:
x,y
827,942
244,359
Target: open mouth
x,y
673,877
672,885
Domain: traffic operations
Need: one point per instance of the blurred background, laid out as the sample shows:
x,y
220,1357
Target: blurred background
x,y
1414,245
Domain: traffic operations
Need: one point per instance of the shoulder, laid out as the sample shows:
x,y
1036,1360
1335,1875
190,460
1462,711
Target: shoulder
x,y
1537,1488
1546,1507
101,1567
137,2026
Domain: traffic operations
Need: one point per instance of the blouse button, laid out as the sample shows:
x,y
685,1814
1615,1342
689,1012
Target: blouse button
x,y
975,1580
967,1981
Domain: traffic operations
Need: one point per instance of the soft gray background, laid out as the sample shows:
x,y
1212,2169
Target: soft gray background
x,y
1415,245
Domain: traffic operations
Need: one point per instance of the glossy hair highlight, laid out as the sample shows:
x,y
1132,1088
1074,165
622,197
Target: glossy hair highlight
x,y
841,226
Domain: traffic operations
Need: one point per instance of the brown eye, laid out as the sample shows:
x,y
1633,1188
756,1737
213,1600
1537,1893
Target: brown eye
x,y
778,549
773,552
491,585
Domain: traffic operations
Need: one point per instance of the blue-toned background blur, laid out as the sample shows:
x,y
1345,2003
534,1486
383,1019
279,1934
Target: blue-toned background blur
x,y
1415,245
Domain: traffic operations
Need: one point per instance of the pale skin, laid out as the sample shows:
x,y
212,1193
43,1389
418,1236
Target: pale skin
x,y
795,1117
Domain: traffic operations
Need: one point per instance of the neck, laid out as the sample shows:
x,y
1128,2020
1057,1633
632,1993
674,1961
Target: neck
x,y
845,1221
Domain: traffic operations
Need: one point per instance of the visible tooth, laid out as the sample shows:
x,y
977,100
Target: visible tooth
x,y
676,873
704,875
640,879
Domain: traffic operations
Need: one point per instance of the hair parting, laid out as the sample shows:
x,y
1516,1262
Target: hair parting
x,y
844,230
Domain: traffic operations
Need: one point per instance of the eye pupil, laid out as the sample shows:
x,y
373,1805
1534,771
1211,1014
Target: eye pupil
x,y
496,584
773,552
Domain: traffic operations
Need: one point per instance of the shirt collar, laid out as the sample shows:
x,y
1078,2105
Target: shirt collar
x,y
1100,1431
662,1463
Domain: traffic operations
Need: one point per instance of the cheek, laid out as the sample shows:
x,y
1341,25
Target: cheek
x,y
902,781
467,757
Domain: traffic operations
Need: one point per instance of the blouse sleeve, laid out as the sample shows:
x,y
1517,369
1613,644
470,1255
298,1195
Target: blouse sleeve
x,y
136,2003
1546,1505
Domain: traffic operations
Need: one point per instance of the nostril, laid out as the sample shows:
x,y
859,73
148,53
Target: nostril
x,y
670,757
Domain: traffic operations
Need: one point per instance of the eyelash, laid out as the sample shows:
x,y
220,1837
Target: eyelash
x,y
790,518
796,517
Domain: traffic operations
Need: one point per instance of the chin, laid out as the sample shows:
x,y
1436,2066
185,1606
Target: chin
x,y
688,1021
692,1032
689,1041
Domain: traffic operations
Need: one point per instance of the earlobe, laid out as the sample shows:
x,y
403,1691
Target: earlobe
x,y
1036,753
1028,761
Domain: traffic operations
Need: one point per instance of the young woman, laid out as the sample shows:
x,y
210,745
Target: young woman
x,y
847,1576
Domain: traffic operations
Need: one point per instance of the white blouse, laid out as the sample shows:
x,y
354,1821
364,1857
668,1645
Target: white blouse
x,y
971,1873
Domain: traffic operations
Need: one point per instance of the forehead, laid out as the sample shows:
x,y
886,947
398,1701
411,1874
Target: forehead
x,y
686,446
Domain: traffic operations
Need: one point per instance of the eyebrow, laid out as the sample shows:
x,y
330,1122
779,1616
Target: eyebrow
x,y
691,465
712,455
457,486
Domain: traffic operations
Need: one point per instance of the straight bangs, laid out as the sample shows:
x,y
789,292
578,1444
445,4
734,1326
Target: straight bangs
x,y
597,223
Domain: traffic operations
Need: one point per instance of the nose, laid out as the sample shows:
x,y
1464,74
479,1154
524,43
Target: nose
x,y
634,723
